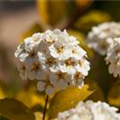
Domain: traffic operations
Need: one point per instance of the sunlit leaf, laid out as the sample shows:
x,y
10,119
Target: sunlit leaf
x,y
90,19
67,99
98,95
2,94
33,29
33,98
80,36
114,95
15,110
39,115
52,11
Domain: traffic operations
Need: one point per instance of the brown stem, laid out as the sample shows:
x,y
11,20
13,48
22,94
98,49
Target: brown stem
x,y
45,107
73,18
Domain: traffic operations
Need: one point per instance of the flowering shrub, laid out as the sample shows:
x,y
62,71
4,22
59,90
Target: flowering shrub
x,y
113,57
105,40
98,38
54,59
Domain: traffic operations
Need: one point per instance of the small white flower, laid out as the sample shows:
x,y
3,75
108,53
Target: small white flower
x,y
97,38
90,111
77,52
36,72
83,67
59,50
45,86
54,59
113,57
69,65
23,70
60,80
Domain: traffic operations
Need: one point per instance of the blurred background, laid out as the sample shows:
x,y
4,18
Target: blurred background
x,y
19,19
15,18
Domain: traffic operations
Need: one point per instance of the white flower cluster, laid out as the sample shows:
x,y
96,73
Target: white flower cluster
x,y
90,111
98,37
53,58
113,57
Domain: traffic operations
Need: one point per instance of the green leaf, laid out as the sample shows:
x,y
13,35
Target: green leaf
x,y
52,11
2,118
68,98
33,29
15,110
91,19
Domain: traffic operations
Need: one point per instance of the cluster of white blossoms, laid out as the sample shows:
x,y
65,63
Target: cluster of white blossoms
x,y
54,59
98,38
105,39
113,57
90,111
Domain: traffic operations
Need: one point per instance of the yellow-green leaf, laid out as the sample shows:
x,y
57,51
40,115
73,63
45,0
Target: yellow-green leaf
x,y
33,98
114,95
33,29
2,94
80,36
38,116
15,110
52,11
98,95
91,19
67,99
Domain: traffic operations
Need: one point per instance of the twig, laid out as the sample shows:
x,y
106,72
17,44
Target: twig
x,y
45,107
